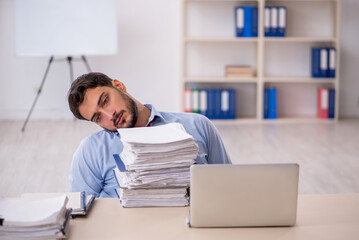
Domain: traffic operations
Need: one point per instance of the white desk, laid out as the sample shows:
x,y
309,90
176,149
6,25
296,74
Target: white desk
x,y
319,217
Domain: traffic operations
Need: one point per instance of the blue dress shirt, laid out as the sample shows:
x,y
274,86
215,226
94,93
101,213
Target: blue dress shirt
x,y
93,162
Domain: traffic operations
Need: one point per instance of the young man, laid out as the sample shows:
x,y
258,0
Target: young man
x,y
97,98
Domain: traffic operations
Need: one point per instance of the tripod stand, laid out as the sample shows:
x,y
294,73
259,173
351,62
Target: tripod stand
x,y
69,59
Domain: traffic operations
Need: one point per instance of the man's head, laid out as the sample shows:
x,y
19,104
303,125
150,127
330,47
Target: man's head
x,y
96,97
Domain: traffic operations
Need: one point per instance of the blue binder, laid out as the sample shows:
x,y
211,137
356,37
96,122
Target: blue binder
x,y
274,21
239,21
331,62
232,104
217,103
224,113
272,103
265,104
248,21
210,103
319,62
282,21
267,24
254,22
203,102
331,103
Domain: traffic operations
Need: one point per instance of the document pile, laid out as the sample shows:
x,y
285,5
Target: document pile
x,y
153,168
34,219
79,202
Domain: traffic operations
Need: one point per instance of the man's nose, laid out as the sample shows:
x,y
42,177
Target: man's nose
x,y
109,114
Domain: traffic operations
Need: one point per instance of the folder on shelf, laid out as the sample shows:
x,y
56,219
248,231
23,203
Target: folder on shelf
x,y
267,24
282,21
203,109
274,21
195,100
248,21
217,103
331,103
319,62
272,103
210,103
224,104
232,103
254,25
239,18
246,18
265,104
187,104
331,62
323,100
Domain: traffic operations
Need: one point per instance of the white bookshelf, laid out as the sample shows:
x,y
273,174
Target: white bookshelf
x,y
209,44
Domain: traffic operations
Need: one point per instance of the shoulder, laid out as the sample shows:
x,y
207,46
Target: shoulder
x,y
97,139
187,118
195,124
98,146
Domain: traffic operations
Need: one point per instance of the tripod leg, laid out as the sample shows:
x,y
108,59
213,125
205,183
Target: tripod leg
x,y
86,63
38,93
69,60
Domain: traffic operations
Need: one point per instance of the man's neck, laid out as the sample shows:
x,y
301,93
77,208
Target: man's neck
x,y
143,115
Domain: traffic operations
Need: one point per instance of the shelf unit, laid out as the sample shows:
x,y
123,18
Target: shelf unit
x,y
209,44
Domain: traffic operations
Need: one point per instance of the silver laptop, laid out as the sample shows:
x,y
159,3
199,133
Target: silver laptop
x,y
243,195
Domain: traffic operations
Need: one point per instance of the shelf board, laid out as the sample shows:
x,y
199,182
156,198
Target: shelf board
x,y
219,79
256,39
300,39
235,121
298,80
299,120
220,40
279,120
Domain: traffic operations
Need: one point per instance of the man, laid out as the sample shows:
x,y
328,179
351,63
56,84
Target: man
x,y
97,98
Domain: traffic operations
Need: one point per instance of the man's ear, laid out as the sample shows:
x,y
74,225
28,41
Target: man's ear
x,y
119,85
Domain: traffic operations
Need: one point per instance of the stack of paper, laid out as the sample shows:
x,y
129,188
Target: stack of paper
x,y
153,169
77,201
34,219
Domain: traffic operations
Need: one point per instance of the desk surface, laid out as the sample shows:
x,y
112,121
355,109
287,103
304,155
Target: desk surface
x,y
319,217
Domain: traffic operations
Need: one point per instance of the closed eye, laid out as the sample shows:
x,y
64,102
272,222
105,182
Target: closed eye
x,y
105,100
97,118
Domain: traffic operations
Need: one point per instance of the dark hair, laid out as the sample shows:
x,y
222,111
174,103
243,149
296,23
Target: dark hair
x,y
78,89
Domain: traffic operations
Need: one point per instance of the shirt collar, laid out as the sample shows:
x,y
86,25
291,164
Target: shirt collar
x,y
154,114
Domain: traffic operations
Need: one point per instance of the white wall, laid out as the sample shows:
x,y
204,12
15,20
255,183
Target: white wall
x,y
148,62
349,65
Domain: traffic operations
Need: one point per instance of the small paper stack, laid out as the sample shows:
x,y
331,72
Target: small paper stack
x,y
153,168
239,71
34,219
79,202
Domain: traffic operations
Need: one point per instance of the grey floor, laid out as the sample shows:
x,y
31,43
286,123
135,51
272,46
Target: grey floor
x,y
39,159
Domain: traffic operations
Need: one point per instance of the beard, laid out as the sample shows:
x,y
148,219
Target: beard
x,y
132,110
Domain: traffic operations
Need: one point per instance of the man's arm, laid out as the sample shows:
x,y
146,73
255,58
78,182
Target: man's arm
x,y
211,147
217,153
85,171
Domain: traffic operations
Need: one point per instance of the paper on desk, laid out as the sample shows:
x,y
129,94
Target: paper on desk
x,y
155,158
157,135
23,212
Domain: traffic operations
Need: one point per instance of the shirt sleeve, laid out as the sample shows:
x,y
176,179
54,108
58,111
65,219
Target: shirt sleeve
x,y
216,151
85,174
